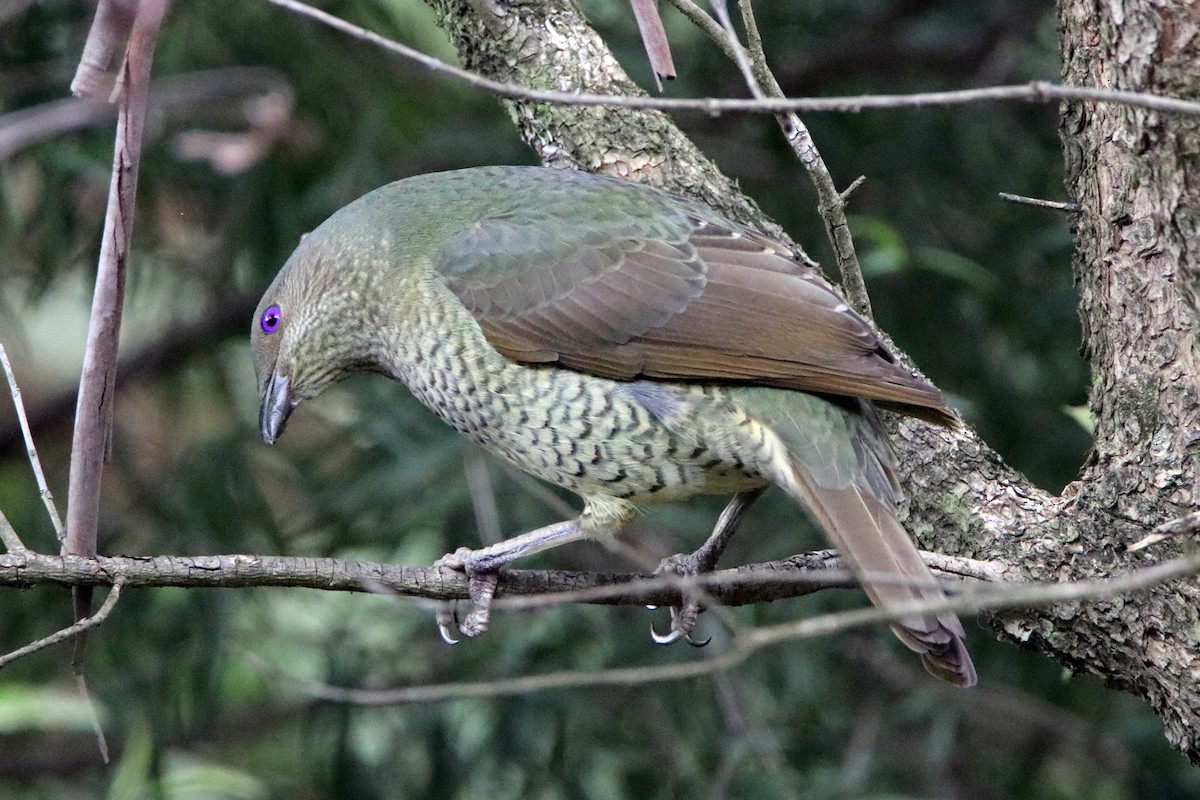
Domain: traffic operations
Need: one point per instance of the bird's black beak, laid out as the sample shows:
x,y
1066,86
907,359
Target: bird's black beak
x,y
275,407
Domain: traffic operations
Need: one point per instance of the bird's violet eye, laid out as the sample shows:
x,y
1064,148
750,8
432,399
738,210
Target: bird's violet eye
x,y
271,319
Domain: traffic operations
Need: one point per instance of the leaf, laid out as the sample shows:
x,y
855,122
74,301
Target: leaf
x,y
1082,415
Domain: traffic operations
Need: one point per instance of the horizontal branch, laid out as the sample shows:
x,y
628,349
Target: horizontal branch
x,y
748,641
1036,91
792,577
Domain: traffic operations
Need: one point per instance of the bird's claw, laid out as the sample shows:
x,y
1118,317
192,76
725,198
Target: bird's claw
x,y
674,635
683,616
447,620
481,587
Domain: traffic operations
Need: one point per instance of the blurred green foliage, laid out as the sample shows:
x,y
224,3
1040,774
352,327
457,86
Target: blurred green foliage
x,y
202,693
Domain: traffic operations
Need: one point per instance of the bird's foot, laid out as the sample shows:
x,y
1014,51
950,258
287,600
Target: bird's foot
x,y
481,587
482,568
683,616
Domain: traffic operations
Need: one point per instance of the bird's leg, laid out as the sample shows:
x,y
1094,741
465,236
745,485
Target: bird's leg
x,y
482,568
704,559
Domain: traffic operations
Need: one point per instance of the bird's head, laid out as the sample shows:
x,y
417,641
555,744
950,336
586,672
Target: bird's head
x,y
311,329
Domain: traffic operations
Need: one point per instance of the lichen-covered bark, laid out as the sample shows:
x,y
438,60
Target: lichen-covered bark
x,y
1136,175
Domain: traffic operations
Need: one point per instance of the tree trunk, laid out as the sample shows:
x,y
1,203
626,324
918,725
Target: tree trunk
x,y
1139,278
1137,259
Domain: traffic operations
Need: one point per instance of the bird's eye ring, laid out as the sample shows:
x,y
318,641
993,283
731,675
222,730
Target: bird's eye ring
x,y
271,319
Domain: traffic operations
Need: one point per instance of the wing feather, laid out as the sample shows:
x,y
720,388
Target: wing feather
x,y
671,292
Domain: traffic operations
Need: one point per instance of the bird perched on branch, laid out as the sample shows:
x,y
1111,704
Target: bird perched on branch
x,y
622,342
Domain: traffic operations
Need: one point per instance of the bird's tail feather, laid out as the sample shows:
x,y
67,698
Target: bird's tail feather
x,y
865,531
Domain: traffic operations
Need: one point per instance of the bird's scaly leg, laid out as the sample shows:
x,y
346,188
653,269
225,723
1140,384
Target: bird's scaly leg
x,y
704,559
482,569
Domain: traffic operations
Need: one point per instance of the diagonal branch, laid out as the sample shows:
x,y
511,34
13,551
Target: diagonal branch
x,y
30,450
12,543
762,84
654,37
70,631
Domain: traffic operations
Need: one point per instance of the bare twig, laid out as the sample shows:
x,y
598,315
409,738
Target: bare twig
x,y
79,627
97,382
85,694
750,640
854,184
1187,524
110,28
30,449
654,37
8,536
1036,91
93,416
791,577
1054,205
831,203
736,51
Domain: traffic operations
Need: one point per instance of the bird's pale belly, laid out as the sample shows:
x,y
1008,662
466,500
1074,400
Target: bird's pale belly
x,y
594,436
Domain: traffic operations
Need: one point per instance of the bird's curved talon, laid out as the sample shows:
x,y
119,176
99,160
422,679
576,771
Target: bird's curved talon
x,y
444,621
670,637
684,615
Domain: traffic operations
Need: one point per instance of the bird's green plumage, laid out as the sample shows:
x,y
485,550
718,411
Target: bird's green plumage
x,y
626,344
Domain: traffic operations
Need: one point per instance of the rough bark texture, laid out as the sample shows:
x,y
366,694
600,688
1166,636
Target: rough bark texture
x,y
1135,174
1137,239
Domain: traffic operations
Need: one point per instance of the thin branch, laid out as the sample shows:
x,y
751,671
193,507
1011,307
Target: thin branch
x,y
791,577
79,627
1182,526
754,583
1054,205
8,536
93,416
30,449
654,37
736,51
750,640
109,30
831,203
1035,91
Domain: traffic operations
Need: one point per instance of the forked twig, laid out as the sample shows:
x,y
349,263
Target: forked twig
x,y
762,84
70,631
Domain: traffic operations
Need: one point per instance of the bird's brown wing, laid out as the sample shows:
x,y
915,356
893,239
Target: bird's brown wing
x,y
685,297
